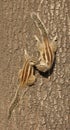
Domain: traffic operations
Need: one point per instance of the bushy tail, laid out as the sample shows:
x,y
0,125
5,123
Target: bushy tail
x,y
13,103
39,24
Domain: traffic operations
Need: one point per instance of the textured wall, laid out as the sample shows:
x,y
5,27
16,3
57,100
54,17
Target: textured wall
x,y
45,106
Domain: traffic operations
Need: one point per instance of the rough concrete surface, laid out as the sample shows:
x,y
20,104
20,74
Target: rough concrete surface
x,y
45,106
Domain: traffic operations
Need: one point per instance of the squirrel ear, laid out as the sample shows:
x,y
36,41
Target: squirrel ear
x,y
31,59
26,54
55,47
53,44
54,39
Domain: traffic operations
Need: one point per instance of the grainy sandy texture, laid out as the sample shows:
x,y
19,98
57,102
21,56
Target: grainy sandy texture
x,y
45,106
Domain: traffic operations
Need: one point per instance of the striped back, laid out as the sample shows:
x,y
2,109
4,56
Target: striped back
x,y
25,73
48,53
